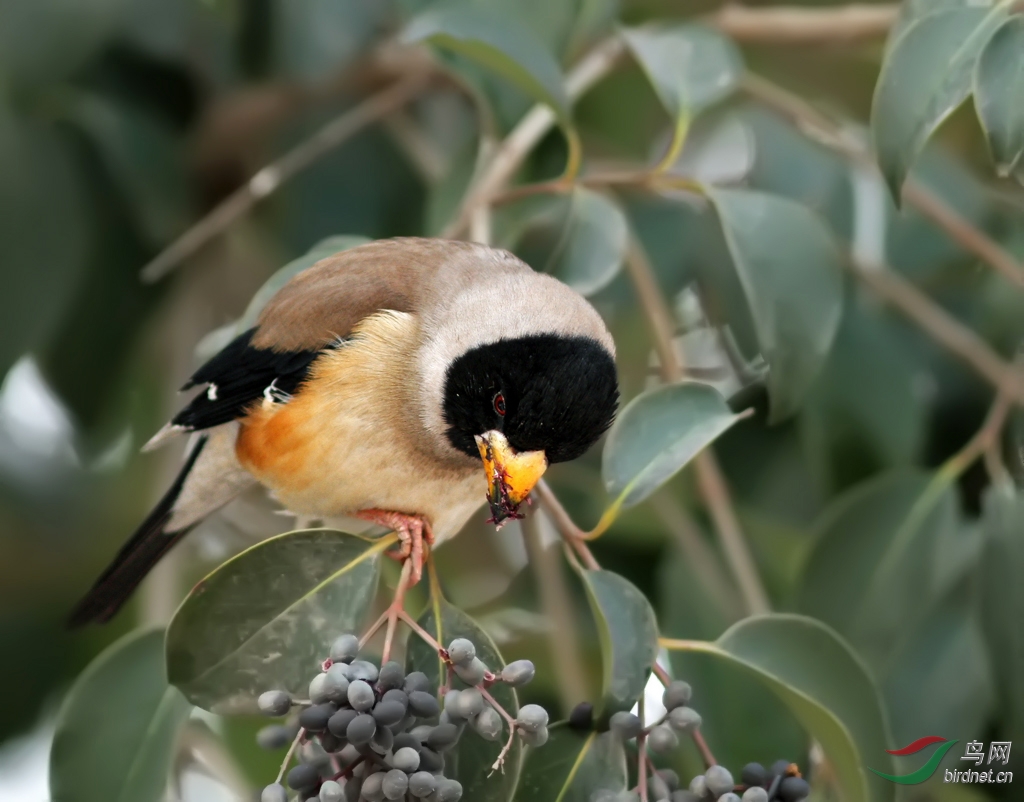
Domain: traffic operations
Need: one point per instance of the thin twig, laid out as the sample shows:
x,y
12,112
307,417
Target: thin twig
x,y
572,534
641,745
529,131
829,133
702,747
499,763
396,609
556,602
942,327
273,175
710,480
425,636
289,753
782,25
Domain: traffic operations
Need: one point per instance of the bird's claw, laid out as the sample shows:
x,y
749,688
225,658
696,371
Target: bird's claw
x,y
414,534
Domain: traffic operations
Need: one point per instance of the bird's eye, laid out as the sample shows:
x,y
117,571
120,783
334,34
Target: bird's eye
x,y
499,404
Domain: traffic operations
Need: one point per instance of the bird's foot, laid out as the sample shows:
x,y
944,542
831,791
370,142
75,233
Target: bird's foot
x,y
413,531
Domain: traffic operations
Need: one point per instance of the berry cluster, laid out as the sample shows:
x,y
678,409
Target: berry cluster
x,y
781,783
371,733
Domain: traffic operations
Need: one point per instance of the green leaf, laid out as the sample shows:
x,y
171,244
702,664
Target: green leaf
x,y
827,687
872,568
323,249
265,619
496,41
471,763
791,274
572,766
1002,600
595,243
118,726
925,77
999,94
628,632
45,233
689,66
657,434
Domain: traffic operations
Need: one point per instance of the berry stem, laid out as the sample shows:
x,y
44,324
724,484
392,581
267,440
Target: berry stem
x,y
641,745
499,763
291,751
425,636
698,737
373,629
396,609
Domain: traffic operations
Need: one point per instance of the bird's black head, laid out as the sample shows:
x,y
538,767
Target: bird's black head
x,y
550,393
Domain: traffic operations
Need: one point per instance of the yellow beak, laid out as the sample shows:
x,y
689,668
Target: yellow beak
x,y
510,476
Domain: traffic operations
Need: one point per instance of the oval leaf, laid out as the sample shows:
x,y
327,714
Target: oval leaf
x,y
824,684
689,66
572,766
265,619
498,42
118,726
471,763
657,434
925,76
791,274
628,631
595,243
999,94
323,249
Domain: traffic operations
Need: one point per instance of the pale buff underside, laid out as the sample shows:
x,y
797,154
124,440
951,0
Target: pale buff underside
x,y
348,441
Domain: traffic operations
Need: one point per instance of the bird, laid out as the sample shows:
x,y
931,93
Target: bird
x,y
406,382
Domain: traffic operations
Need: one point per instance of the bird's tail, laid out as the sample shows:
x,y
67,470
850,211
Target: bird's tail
x,y
137,557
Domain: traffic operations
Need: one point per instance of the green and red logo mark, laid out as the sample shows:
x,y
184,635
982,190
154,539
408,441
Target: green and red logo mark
x,y
928,769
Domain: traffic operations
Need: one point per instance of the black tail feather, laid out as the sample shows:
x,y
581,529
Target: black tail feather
x,y
136,557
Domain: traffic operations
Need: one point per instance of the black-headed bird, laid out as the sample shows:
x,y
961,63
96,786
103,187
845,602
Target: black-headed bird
x,y
373,385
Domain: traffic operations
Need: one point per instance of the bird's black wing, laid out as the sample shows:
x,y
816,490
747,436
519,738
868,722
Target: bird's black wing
x,y
239,375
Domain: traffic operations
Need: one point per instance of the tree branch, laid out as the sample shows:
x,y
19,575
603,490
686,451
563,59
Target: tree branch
x,y
824,130
945,329
269,178
783,25
529,131
710,480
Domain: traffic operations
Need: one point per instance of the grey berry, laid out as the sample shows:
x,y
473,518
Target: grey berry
x,y
416,681
794,789
382,741
361,696
335,684
329,741
729,796
684,719
396,695
699,786
754,774
275,792
361,729
274,703
780,767
755,794
338,723
388,713
353,789
518,673
314,754
626,725
662,739
422,784
684,796
423,704
395,784
303,777
469,703
344,649
373,790
403,739
670,777
407,759
430,760
331,791
719,780
461,651
532,717
451,704
364,670
317,693
391,675
536,738
348,755
677,694
449,791
472,673
442,737
315,718
488,724
273,736
658,789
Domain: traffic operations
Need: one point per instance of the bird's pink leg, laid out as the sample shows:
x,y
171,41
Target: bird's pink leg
x,y
413,531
